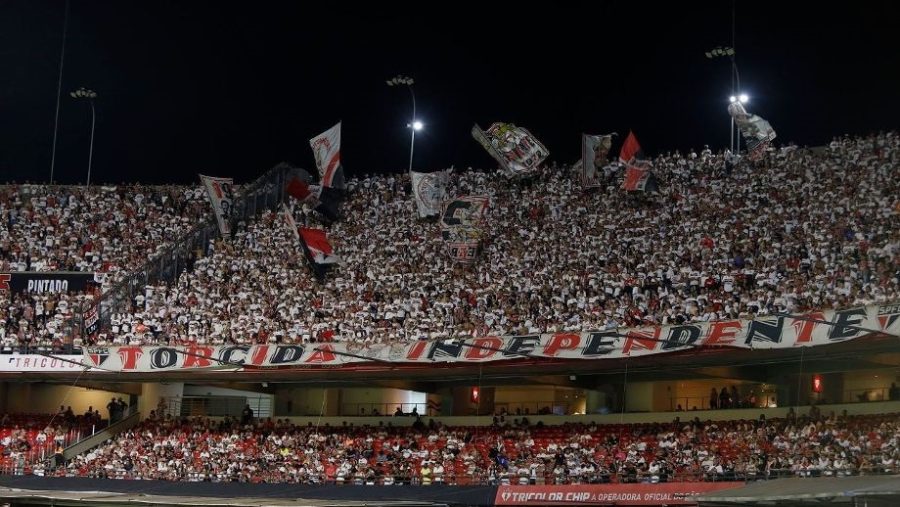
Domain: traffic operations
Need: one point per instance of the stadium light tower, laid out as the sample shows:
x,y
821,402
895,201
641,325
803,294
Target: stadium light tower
x,y
743,99
89,95
414,123
728,52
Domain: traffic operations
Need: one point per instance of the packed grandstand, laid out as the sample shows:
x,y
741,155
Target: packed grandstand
x,y
800,230
794,232
508,452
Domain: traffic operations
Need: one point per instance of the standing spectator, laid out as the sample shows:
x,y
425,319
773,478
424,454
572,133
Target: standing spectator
x,y
247,415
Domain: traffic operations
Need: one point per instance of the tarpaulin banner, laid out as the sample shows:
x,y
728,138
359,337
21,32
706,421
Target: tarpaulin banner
x,y
783,332
672,493
514,148
38,282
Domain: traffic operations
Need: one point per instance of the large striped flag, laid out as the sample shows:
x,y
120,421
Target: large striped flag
x,y
326,148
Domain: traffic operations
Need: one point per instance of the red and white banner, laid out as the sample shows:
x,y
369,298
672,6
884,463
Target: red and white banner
x,y
672,493
758,133
326,148
221,197
815,329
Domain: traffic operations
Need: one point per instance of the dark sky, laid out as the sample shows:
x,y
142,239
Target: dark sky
x,y
230,89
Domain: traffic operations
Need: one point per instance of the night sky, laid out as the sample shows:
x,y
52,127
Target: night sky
x,y
230,89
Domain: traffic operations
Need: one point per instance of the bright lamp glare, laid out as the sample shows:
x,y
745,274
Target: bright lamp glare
x,y
744,98
417,125
732,99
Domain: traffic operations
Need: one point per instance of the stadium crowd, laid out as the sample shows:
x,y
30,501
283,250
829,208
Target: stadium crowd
x,y
107,230
510,453
800,229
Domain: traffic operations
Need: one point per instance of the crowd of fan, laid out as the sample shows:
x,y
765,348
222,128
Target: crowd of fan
x,y
27,438
110,231
519,453
801,229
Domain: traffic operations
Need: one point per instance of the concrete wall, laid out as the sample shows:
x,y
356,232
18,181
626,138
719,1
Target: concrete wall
x,y
304,401
39,398
151,393
873,385
627,418
386,400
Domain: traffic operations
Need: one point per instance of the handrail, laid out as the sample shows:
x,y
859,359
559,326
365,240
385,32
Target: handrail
x,y
101,436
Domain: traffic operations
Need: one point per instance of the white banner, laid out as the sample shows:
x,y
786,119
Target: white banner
x,y
514,148
40,363
814,329
430,191
462,226
758,133
594,150
221,198
326,148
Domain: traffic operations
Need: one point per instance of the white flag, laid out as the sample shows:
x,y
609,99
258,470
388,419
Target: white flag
x,y
326,148
430,191
221,197
289,218
514,148
594,150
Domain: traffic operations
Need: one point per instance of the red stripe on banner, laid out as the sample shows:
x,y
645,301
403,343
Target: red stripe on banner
x,y
331,169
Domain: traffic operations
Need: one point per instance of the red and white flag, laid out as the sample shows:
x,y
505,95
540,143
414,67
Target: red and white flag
x,y
326,148
317,244
635,178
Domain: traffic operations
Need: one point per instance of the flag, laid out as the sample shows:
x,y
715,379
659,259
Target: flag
x,y
221,198
639,178
289,218
329,202
317,246
430,191
298,182
92,320
462,223
594,150
758,133
325,200
514,148
631,149
326,148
